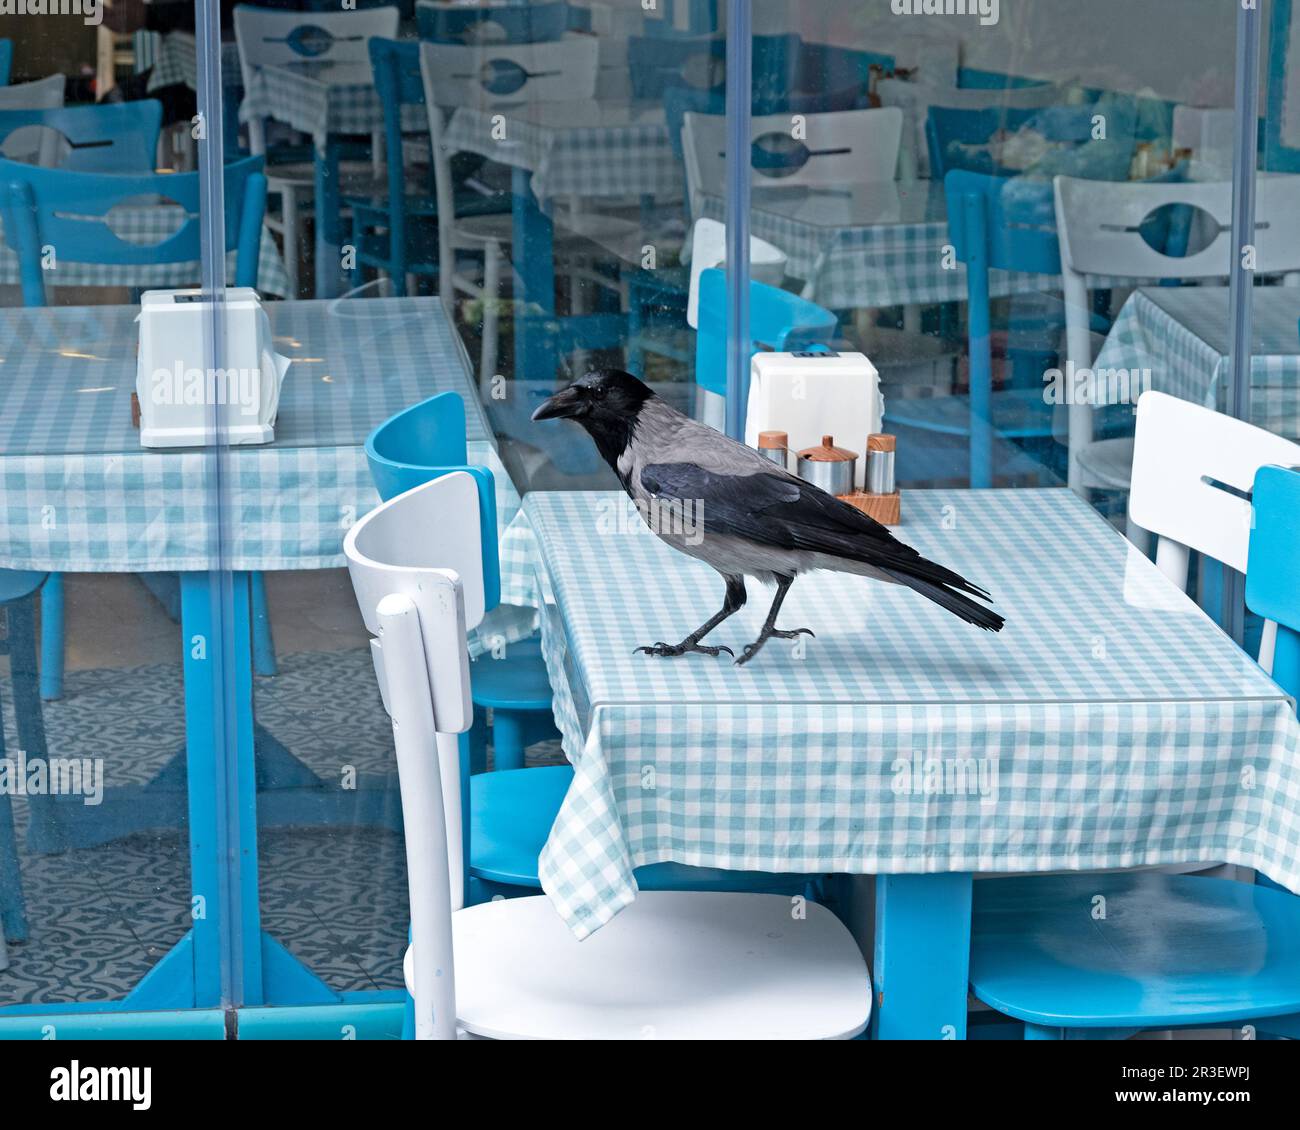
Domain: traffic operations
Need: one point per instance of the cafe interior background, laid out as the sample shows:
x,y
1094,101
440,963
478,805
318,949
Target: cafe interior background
x,y
243,847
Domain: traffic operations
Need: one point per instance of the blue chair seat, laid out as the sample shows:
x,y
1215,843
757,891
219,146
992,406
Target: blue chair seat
x,y
1018,413
511,813
18,583
516,681
1171,950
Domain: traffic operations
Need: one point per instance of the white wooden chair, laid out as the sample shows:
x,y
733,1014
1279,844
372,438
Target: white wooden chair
x,y
268,37
1098,226
839,149
670,966
485,77
1181,451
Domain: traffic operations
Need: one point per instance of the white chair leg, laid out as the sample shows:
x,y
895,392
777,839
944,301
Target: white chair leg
x,y
491,316
289,211
1268,645
1171,560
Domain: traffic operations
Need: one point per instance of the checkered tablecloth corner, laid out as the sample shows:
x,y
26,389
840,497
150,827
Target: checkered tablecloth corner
x,y
1180,334
310,102
175,62
79,494
1110,725
629,159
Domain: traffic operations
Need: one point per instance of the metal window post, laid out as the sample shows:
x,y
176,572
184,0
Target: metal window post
x,y
1241,281
739,82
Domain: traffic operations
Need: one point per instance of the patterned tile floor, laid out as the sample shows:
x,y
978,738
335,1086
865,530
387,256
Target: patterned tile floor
x,y
100,918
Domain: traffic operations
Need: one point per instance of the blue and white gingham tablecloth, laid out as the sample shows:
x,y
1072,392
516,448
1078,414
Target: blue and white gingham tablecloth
x,y
1109,725
877,246
176,62
322,98
79,494
587,149
1180,334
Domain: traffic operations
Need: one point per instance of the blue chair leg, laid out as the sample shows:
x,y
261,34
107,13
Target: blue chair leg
x,y
20,618
1038,1032
508,740
52,637
263,644
13,911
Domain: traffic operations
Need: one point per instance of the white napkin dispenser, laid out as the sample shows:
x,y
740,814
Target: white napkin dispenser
x,y
181,399
813,393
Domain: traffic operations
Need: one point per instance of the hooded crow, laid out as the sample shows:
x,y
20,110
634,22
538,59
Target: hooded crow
x,y
754,519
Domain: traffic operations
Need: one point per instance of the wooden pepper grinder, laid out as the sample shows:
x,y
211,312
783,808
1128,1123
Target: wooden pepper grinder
x,y
881,499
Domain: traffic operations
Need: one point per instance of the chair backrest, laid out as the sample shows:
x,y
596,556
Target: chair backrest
x,y
1273,567
43,94
6,60
660,63
1007,223
708,248
484,77
268,37
1101,227
424,442
396,67
806,150
964,139
916,98
1183,456
493,74
779,321
491,23
116,137
406,560
63,210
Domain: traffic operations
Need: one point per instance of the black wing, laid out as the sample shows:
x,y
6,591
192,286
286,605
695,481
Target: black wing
x,y
787,513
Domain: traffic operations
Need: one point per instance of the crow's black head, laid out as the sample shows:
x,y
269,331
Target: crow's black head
x,y
606,402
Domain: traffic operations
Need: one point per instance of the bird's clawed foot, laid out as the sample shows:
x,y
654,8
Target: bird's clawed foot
x,y
752,649
671,650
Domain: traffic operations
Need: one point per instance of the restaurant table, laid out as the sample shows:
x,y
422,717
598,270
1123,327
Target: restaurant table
x,y
328,101
1180,334
176,63
872,245
79,493
584,149
148,224
1109,725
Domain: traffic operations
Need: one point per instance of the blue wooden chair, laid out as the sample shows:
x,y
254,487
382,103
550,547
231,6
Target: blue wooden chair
x,y
779,321
1008,224
1173,951
18,589
407,239
116,137
6,60
53,207
522,23
416,445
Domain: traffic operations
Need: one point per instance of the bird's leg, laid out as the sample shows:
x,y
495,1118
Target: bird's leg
x,y
732,602
769,625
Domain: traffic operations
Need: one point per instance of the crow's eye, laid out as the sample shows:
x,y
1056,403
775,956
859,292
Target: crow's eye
x,y
598,392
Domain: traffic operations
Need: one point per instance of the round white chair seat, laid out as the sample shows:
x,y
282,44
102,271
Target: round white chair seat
x,y
672,965
1107,464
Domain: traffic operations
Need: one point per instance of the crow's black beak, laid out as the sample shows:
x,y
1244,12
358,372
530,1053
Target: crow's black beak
x,y
566,402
